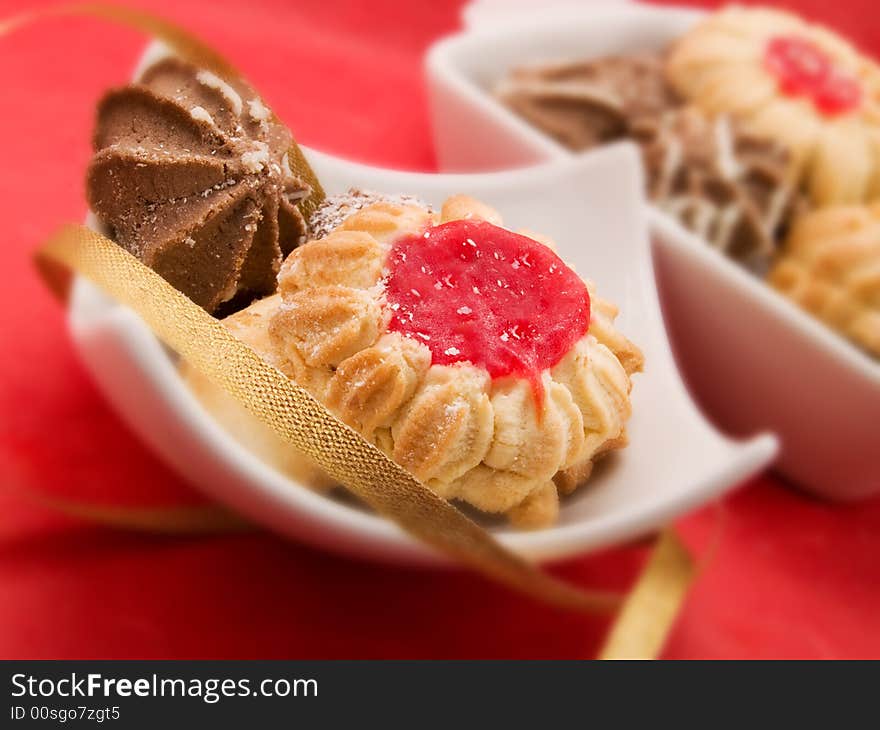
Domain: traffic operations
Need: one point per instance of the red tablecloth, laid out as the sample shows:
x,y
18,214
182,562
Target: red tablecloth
x,y
792,577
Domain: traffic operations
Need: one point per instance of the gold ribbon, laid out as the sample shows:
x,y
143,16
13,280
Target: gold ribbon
x,y
652,605
201,519
291,411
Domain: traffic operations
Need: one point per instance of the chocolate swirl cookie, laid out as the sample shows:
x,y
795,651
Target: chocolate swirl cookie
x,y
191,175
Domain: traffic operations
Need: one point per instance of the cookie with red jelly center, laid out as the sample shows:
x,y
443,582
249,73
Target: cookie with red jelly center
x,y
459,349
473,292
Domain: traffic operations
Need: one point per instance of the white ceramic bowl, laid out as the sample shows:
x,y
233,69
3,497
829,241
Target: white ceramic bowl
x,y
676,460
753,359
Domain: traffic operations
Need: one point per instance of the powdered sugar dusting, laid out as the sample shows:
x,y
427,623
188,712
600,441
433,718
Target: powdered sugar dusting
x,y
256,159
199,113
336,208
212,81
258,111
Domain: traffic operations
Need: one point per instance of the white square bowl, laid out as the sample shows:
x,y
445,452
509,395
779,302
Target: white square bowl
x,y
753,359
675,461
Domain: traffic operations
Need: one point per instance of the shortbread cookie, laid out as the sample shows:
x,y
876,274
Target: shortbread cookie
x,y
831,267
336,208
793,82
471,355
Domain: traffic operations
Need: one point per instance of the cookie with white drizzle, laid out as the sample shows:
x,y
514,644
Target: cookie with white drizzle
x,y
728,187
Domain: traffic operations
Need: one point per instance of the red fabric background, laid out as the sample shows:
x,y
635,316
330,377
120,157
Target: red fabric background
x,y
792,577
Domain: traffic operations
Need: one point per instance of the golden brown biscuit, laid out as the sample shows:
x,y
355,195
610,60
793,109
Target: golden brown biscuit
x,y
496,440
831,267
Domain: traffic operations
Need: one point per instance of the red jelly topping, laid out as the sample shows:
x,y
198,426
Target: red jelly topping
x,y
472,291
802,69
